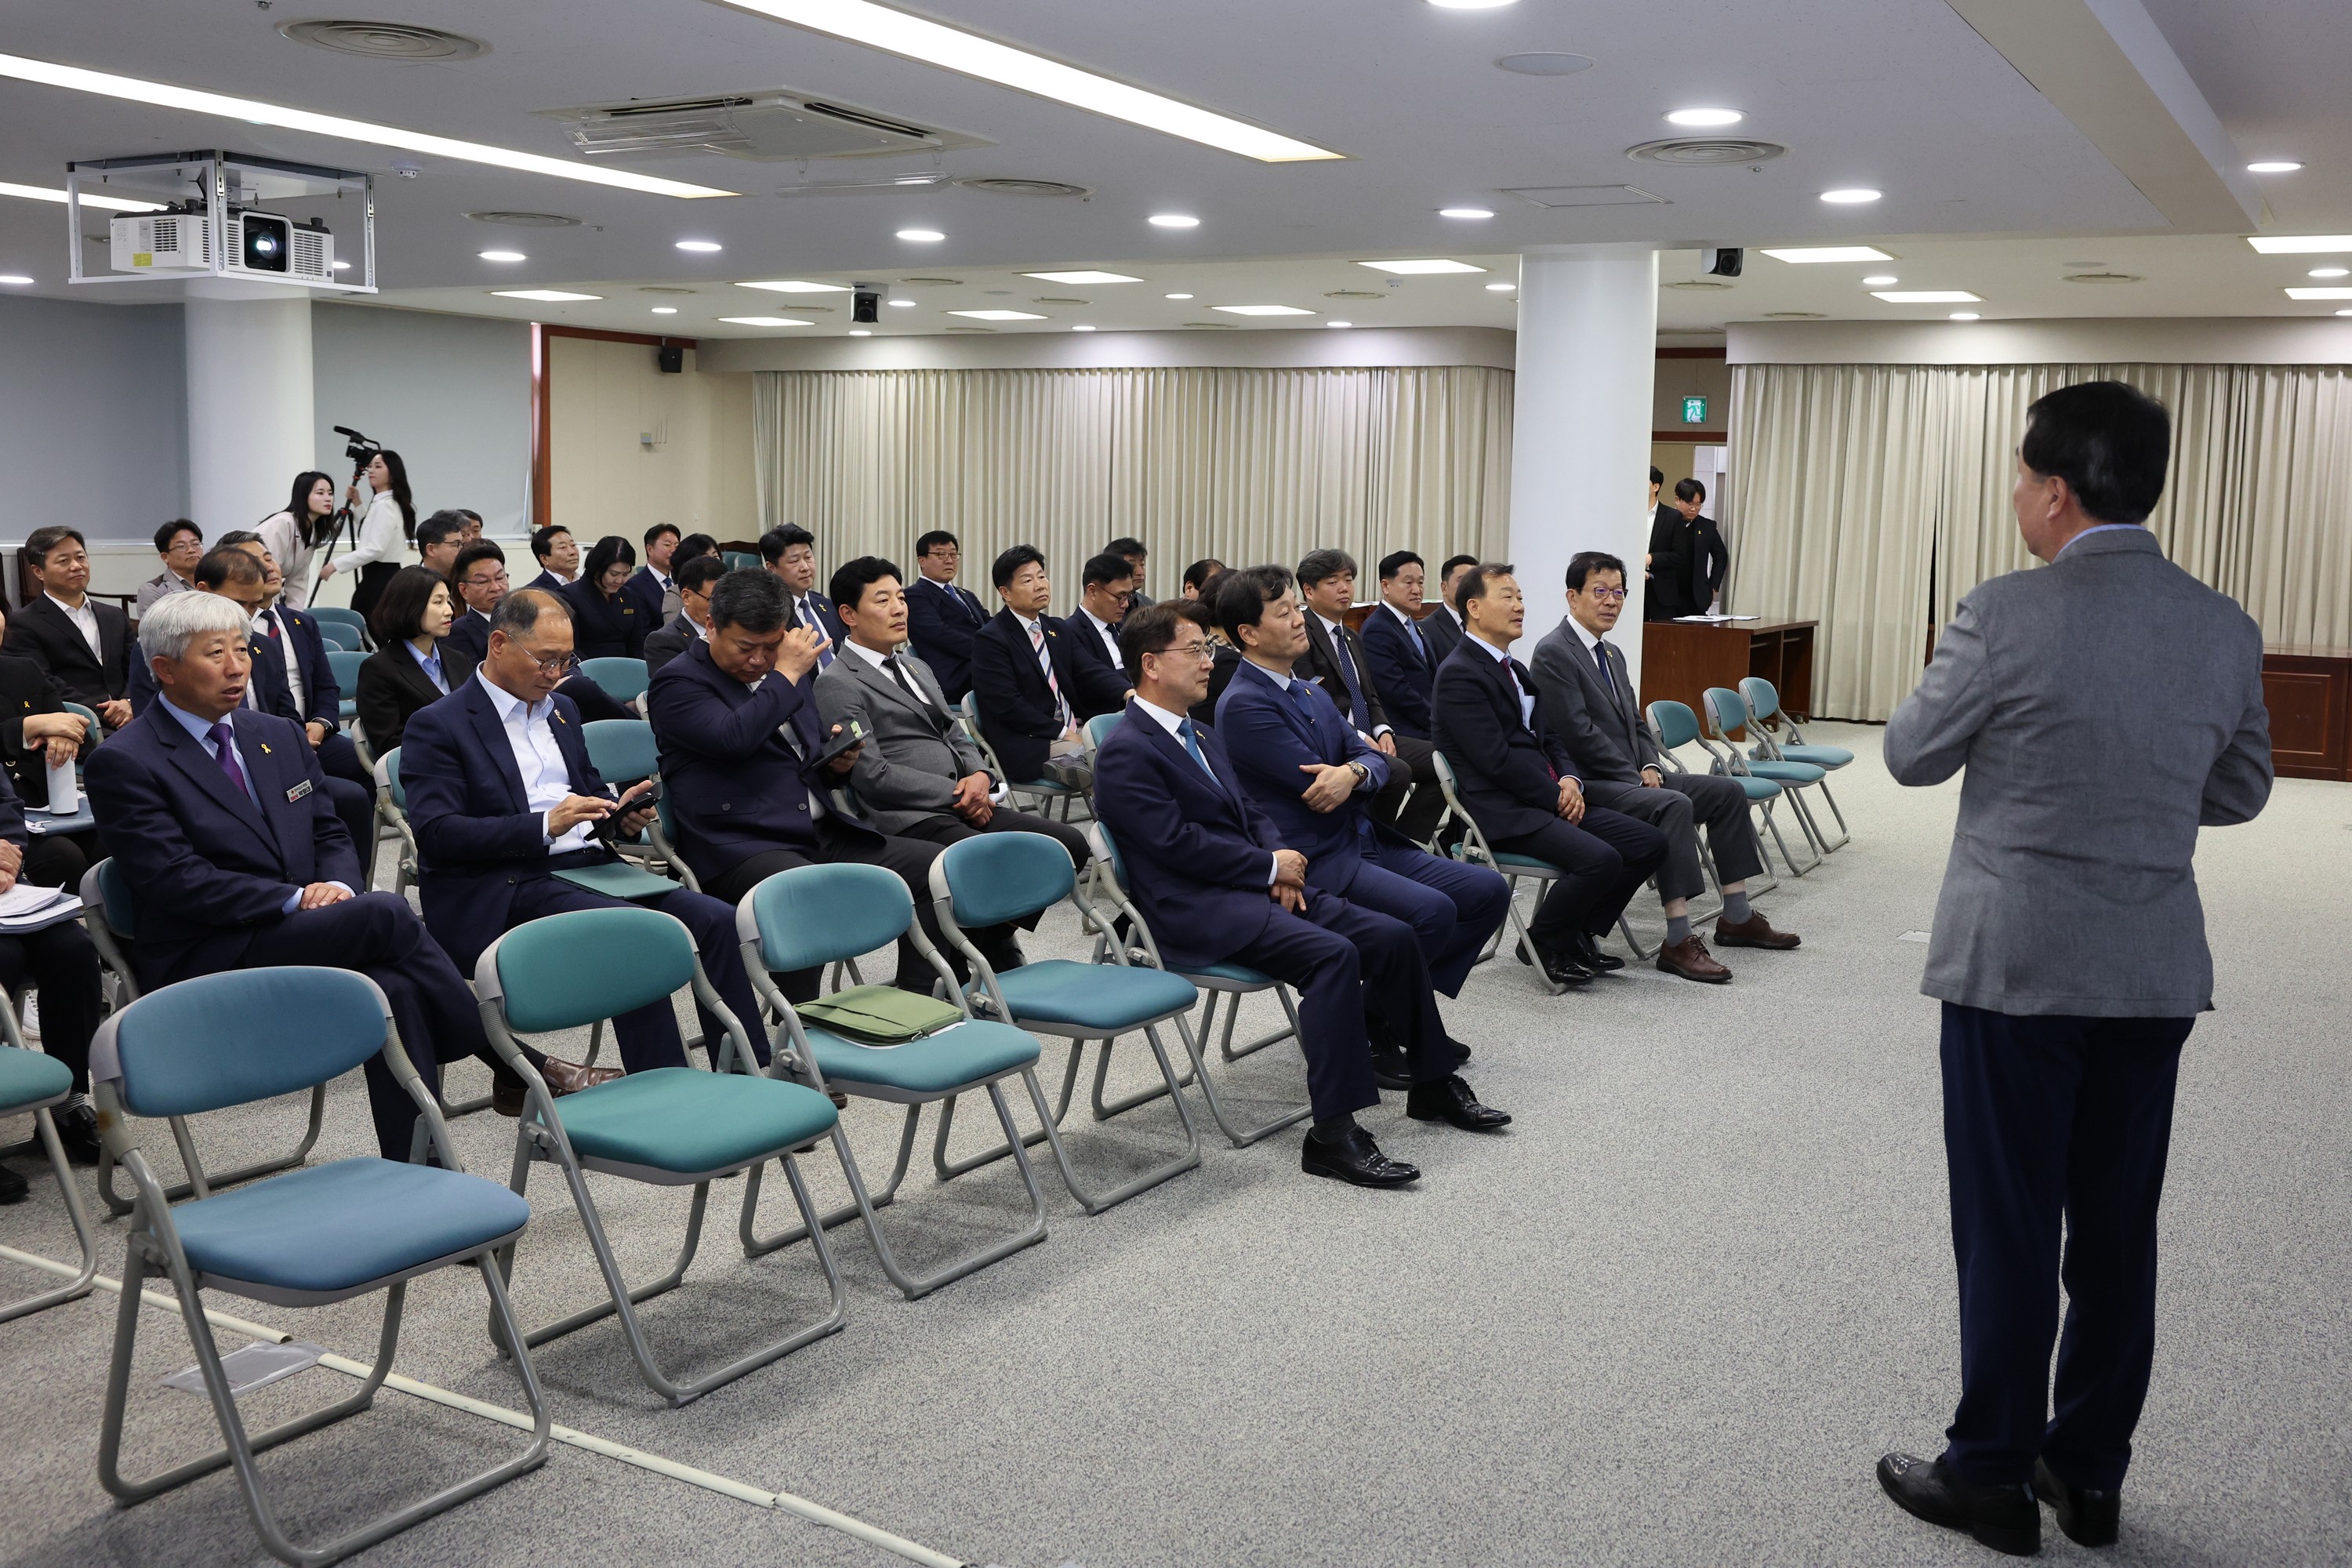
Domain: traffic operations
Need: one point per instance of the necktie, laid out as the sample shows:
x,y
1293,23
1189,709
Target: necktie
x,y
1355,714
907,683
223,739
1600,656
809,619
1419,647
1061,709
1192,745
270,618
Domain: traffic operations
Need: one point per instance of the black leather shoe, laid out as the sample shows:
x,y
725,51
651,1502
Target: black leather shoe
x,y
1449,1099
1390,1069
2004,1518
77,1130
1353,1157
1562,967
1587,950
2089,1518
13,1187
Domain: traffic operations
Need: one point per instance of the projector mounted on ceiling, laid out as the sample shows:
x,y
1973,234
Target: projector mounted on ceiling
x,y
770,126
208,220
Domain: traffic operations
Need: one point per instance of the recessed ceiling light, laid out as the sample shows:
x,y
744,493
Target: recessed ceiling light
x,y
1852,197
1500,287
1881,280
2326,272
902,304
111,204
14,280
665,309
1464,212
1472,4
1811,253
2273,166
1418,268
1176,296
1926,296
1338,323
999,315
1084,276
873,26
2298,244
797,286
1174,220
1276,310
1082,328
860,332
504,256
554,295
1705,117
699,245
2319,293
765,322
1966,316
163,95
923,234
2343,312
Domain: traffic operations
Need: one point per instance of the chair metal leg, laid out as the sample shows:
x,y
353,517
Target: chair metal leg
x,y
201,1182
1096,1202
1625,929
757,1246
79,1286
1240,1138
1234,1053
1846,834
950,1169
1772,822
1140,1097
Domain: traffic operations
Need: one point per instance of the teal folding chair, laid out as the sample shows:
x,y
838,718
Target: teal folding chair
x,y
349,619
392,809
670,1127
1765,732
1002,876
1044,792
622,680
1674,726
1473,850
1726,719
345,662
739,560
811,916
336,635
309,1238
1228,981
623,751
113,919
31,1085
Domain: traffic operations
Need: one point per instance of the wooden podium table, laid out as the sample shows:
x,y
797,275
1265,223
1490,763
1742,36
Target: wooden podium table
x,y
2309,693
1680,660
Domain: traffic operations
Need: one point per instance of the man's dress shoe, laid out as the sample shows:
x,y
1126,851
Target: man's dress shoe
x,y
1753,932
1352,1156
2006,1519
2089,1518
1690,959
1449,1099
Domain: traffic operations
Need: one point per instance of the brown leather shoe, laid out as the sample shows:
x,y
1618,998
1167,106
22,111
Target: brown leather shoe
x,y
1690,959
1753,932
507,1092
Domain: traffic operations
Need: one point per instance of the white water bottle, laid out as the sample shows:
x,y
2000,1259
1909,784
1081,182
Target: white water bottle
x,y
65,791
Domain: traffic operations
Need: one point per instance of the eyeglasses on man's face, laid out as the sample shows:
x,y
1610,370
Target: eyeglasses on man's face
x,y
1605,593
1199,649
558,667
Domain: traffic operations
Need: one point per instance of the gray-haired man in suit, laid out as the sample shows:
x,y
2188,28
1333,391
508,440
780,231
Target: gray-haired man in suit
x,y
918,774
2069,953
1589,701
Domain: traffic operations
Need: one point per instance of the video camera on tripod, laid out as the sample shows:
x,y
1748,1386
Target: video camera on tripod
x,y
345,529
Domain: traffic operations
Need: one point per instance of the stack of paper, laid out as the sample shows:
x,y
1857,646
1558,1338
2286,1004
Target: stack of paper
x,y
25,908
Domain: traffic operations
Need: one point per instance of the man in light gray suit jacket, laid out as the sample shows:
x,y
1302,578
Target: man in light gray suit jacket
x,y
2106,708
919,776
1594,711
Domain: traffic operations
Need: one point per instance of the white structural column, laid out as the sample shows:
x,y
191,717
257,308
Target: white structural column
x,y
250,402
1581,426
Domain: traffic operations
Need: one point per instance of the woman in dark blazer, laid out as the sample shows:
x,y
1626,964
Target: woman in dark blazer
x,y
413,664
604,623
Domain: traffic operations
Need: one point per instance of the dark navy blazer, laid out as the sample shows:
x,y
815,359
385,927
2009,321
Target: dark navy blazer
x,y
1270,734
644,590
205,867
1197,853
735,788
1404,674
1016,711
940,621
1506,774
606,628
470,633
1102,683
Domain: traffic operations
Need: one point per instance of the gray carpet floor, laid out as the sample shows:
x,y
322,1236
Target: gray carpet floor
x,y
1673,1316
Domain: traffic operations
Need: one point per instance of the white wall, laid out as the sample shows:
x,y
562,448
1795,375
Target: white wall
x,y
93,418
603,399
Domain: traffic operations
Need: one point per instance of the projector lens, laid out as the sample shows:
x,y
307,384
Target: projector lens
x,y
266,242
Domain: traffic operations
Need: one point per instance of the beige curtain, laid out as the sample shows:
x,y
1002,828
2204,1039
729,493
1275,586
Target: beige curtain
x,y
1856,481
1242,464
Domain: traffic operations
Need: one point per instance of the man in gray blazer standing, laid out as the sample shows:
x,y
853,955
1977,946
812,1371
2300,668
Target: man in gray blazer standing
x,y
2105,708
919,776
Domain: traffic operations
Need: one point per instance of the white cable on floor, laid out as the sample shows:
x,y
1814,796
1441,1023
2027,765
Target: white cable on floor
x,y
815,1513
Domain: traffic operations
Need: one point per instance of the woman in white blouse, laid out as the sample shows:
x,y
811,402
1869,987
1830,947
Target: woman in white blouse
x,y
292,536
384,532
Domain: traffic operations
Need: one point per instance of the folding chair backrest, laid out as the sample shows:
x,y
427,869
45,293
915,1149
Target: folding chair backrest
x,y
623,680
1107,850
1725,711
87,713
1762,701
566,971
336,635
1674,723
114,903
622,751
345,662
1002,876
814,915
387,770
339,614
1099,727
240,1035
739,560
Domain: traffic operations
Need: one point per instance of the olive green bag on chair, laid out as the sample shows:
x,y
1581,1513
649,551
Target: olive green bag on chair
x,y
879,1015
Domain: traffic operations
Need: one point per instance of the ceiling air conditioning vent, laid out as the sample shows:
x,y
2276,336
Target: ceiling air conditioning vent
x,y
1705,152
1009,185
772,126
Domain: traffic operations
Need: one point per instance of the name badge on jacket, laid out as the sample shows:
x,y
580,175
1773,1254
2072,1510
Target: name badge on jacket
x,y
297,792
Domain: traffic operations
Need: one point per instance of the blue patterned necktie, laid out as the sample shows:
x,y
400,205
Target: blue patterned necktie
x,y
1192,745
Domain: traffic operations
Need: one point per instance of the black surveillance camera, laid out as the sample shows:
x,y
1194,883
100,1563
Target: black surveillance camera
x,y
1723,261
865,307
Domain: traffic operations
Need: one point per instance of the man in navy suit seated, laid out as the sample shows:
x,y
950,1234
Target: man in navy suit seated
x,y
1106,588
789,553
503,801
1403,659
1026,675
737,718
1217,883
1313,776
480,579
217,816
653,589
941,617
558,554
1519,784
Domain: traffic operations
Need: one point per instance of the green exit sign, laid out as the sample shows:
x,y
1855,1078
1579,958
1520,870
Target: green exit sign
x,y
1694,410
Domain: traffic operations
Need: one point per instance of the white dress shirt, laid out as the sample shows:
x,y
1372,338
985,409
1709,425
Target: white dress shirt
x,y
1174,724
1502,655
546,779
85,618
1111,638
1333,630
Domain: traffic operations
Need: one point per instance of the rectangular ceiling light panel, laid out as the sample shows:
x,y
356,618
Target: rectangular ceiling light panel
x,y
1262,310
111,204
1926,296
1585,195
1420,268
951,48
1830,253
999,315
1083,276
764,322
163,95
557,296
2300,244
796,285
2319,293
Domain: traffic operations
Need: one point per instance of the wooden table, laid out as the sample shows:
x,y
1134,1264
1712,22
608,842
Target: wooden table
x,y
1680,660
2308,690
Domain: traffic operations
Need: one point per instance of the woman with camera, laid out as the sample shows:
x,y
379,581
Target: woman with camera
x,y
413,666
604,624
384,532
292,536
